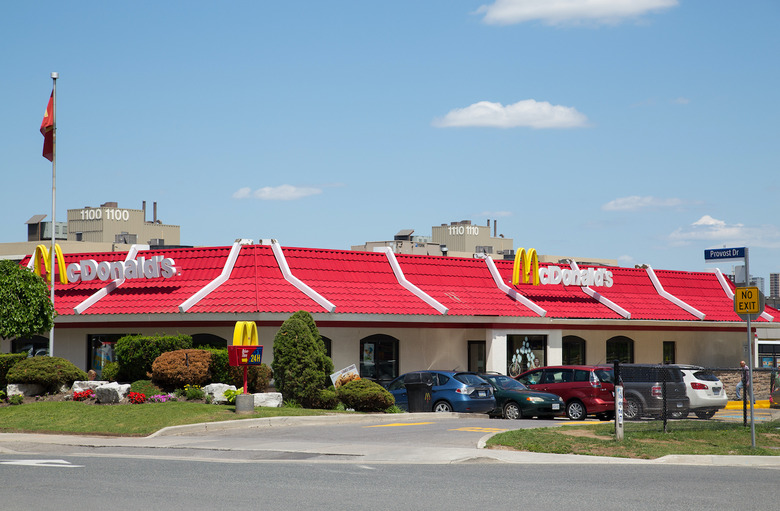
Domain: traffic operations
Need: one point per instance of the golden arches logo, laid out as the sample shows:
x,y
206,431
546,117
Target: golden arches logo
x,y
524,263
245,333
42,255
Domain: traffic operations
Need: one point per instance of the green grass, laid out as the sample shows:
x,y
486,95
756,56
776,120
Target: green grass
x,y
124,420
646,440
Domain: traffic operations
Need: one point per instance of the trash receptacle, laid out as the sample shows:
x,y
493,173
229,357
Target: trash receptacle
x,y
419,387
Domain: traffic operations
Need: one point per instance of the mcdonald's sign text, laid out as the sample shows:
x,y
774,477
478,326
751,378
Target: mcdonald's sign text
x,y
526,269
141,268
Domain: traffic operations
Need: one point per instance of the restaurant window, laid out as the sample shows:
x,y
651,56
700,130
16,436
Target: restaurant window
x,y
477,356
208,341
379,358
669,352
328,346
525,352
620,348
768,355
34,346
573,352
100,351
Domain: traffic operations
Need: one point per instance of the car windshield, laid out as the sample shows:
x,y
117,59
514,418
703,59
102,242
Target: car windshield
x,y
504,382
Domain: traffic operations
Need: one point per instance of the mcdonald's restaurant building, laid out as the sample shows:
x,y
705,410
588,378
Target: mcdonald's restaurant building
x,y
390,313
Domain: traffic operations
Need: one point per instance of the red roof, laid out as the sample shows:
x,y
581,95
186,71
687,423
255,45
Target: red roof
x,y
366,283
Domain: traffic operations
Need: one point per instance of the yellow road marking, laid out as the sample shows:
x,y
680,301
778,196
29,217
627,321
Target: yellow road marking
x,y
479,430
399,424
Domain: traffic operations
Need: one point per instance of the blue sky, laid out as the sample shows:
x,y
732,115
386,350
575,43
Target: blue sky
x,y
638,130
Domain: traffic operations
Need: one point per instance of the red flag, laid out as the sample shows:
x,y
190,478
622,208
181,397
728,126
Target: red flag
x,y
47,130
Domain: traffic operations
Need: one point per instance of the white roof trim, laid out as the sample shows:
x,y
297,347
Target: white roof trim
x,y
512,293
103,292
661,291
730,293
295,281
601,299
416,291
221,278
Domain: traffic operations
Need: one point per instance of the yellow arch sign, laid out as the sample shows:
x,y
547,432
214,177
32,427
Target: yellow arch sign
x,y
42,254
524,263
245,334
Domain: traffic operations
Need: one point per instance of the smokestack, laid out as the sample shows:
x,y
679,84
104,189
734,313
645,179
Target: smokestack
x,y
155,212
143,206
495,228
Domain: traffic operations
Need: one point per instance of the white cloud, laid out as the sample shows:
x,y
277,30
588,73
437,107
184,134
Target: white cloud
x,y
558,12
714,232
283,192
681,101
635,202
529,112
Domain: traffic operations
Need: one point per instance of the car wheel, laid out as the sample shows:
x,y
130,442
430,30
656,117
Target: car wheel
x,y
607,416
512,411
575,410
633,409
705,414
442,406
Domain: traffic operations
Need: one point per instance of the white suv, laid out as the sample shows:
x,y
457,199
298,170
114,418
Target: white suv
x,y
705,391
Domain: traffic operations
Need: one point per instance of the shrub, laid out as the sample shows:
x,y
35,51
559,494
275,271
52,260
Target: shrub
x,y
230,395
7,361
145,387
193,392
327,399
258,377
323,361
175,369
16,399
51,372
110,371
136,353
298,363
365,396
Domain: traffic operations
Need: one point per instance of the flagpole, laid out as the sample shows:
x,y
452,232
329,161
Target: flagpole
x,y
54,77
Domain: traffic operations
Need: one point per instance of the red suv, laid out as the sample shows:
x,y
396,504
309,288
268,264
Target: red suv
x,y
586,390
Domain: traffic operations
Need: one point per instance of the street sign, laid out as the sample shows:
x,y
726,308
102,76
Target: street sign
x,y
748,302
725,254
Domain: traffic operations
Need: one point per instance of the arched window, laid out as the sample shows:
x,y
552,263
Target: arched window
x,y
204,340
328,346
379,358
573,350
620,348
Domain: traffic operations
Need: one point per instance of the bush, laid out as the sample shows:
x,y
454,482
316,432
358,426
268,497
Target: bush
x,y
175,369
257,378
51,372
16,399
327,399
299,363
7,361
365,396
136,353
323,361
145,387
110,371
220,366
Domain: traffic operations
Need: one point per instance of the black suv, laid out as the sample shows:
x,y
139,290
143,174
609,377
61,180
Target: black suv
x,y
643,391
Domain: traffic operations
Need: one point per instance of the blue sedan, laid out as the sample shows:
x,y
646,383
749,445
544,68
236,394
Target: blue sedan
x,y
445,391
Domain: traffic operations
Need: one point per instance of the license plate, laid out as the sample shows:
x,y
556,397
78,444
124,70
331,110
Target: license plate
x,y
482,393
679,405
716,390
556,406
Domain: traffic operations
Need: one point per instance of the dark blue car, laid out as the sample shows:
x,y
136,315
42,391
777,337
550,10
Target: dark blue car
x,y
447,391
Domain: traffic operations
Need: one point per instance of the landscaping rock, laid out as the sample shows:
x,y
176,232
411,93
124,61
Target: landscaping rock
x,y
111,392
25,389
217,392
81,386
272,399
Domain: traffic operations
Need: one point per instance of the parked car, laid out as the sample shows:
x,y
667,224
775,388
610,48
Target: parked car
x,y
450,391
705,391
586,390
643,390
516,401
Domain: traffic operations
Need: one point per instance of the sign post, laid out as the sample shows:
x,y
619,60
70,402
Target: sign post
x,y
748,304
